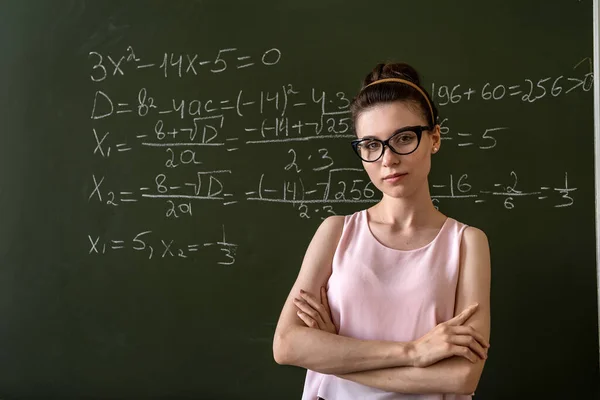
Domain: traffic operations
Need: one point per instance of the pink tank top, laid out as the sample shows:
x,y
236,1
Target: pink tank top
x,y
379,293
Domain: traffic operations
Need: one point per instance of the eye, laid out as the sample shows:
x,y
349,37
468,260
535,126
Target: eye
x,y
371,145
404,138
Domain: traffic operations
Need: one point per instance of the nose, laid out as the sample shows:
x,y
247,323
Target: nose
x,y
389,157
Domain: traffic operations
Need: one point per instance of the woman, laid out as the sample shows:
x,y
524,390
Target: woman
x,y
391,302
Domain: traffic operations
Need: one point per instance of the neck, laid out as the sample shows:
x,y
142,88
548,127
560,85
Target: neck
x,y
408,212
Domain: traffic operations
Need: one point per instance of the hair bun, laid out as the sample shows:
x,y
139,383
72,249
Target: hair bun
x,y
411,91
393,70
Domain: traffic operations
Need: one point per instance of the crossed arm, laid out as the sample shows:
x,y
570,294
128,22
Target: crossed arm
x,y
390,366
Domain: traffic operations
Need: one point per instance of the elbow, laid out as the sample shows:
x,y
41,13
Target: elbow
x,y
282,349
469,378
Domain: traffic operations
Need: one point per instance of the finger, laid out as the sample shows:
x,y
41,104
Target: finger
x,y
307,309
469,330
468,341
464,315
313,302
311,323
462,351
324,299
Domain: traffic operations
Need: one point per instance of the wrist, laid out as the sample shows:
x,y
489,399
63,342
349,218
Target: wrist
x,y
413,355
406,354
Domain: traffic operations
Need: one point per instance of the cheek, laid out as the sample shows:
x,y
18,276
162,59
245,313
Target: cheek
x,y
421,164
374,173
425,158
372,170
421,157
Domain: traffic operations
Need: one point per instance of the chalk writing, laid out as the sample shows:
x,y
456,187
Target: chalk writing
x,y
178,65
528,91
151,246
301,125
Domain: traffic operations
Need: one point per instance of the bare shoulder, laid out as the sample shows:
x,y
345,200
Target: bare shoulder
x,y
327,236
473,236
325,239
475,249
474,280
331,225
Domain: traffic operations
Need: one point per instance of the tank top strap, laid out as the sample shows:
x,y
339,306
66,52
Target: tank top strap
x,y
353,225
455,229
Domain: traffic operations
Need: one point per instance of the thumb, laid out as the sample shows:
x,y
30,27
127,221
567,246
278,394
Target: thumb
x,y
324,299
464,315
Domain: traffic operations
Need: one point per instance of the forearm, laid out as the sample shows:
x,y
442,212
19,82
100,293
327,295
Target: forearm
x,y
334,354
453,375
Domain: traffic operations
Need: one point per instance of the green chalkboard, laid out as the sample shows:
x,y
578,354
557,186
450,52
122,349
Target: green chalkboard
x,y
164,164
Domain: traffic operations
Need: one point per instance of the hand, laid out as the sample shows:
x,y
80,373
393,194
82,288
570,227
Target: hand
x,y
315,313
449,339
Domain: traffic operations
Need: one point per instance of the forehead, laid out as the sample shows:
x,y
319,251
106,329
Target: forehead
x,y
382,120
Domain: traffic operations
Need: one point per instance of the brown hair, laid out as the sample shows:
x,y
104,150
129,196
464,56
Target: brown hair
x,y
387,92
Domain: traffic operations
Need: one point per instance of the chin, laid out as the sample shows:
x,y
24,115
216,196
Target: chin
x,y
398,193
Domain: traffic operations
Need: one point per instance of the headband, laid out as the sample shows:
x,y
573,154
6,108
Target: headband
x,y
409,83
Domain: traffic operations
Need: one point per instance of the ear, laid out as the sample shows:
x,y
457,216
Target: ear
x,y
436,139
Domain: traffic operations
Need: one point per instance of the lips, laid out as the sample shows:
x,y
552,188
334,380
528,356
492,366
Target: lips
x,y
393,176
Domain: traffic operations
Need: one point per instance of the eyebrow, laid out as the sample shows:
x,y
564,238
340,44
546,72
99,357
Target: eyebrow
x,y
393,133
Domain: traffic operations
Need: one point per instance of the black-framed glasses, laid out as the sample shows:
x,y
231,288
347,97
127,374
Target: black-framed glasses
x,y
404,141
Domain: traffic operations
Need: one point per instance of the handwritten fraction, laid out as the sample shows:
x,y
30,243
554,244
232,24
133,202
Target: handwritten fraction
x,y
282,116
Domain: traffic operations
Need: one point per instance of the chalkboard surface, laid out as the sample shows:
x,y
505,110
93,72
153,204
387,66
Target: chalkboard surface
x,y
164,164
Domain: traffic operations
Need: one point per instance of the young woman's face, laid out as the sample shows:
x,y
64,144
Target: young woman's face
x,y
394,174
